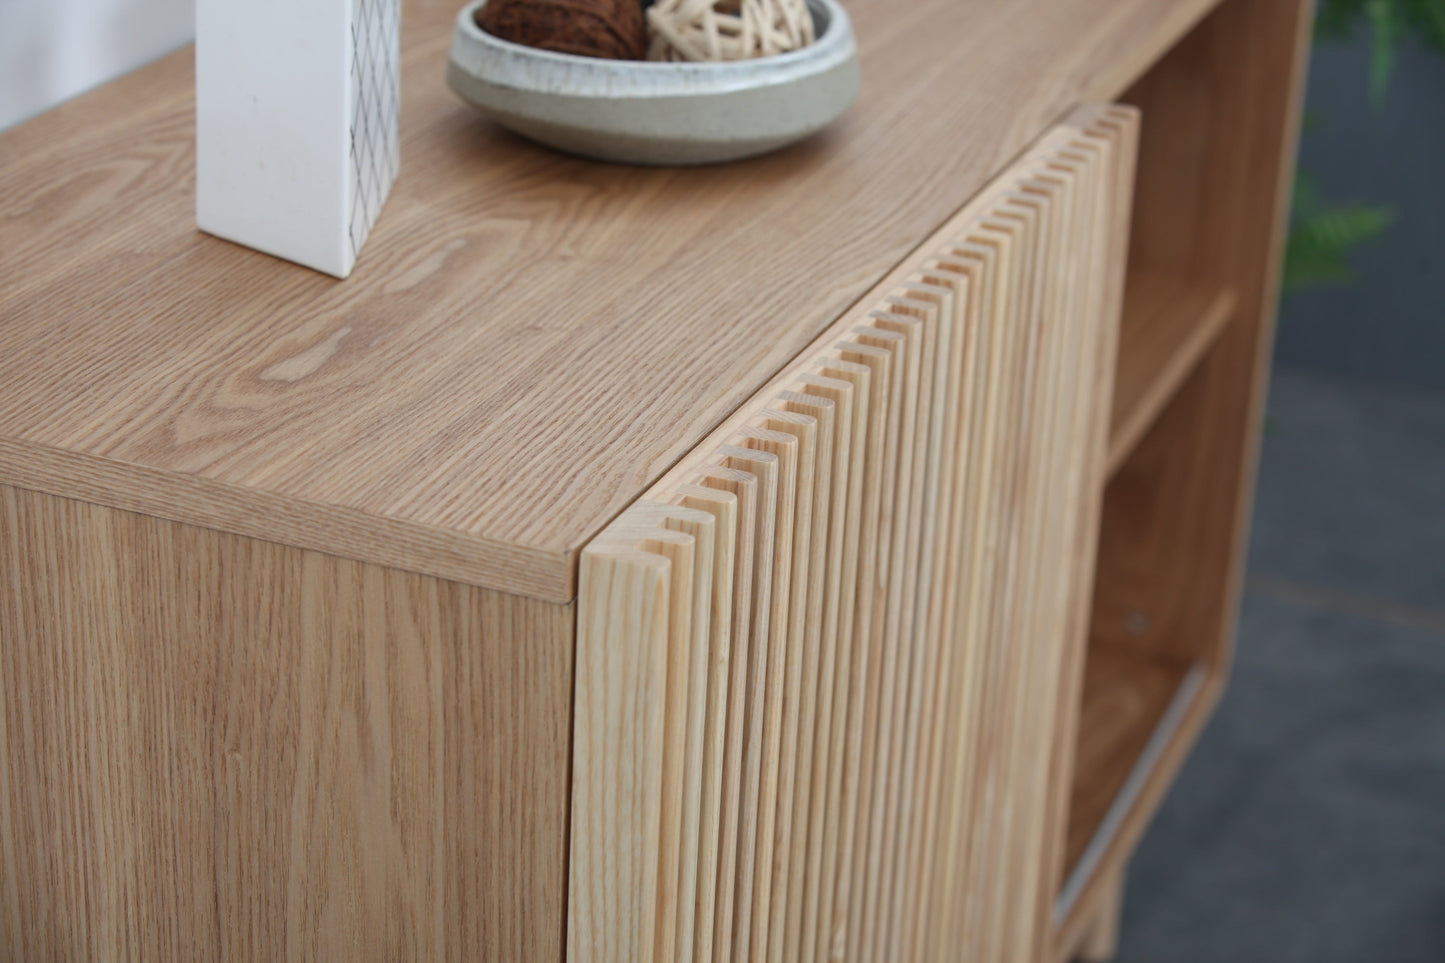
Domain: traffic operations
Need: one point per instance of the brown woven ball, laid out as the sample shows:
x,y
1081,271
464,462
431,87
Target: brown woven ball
x,y
589,28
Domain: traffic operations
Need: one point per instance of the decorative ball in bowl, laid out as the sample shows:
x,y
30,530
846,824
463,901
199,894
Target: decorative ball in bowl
x,y
658,112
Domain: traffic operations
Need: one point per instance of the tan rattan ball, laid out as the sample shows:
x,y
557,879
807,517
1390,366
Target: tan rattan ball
x,y
726,29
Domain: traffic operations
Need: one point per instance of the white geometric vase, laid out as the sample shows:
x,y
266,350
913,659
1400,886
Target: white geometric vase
x,y
296,124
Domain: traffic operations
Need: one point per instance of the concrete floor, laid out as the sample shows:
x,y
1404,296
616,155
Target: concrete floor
x,y
1310,823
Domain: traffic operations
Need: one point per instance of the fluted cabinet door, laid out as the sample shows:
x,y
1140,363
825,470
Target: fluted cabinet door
x,y
820,663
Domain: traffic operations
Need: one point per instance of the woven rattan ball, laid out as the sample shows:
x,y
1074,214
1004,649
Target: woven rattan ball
x,y
726,29
589,28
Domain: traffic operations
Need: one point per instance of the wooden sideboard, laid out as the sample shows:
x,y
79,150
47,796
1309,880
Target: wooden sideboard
x,y
832,555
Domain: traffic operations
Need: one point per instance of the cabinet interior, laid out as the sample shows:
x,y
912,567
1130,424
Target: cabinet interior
x,y
1195,328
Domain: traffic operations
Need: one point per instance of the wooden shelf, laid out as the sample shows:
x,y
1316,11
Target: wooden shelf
x,y
1167,327
1132,707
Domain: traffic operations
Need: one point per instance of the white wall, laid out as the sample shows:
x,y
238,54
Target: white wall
x,y
51,50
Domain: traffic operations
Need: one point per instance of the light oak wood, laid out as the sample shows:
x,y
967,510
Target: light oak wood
x,y
937,293
854,868
848,396
622,648
520,320
1100,208
685,537
1124,699
899,586
748,489
728,517
218,747
772,683
892,506
1075,921
825,568
747,803
980,899
1178,518
989,261
1108,287
1165,332
1102,944
972,284
872,367
801,649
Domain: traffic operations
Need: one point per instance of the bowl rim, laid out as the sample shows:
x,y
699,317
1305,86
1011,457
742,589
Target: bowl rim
x,y
503,63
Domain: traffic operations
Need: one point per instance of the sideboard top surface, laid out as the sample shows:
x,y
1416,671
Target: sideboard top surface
x,y
528,340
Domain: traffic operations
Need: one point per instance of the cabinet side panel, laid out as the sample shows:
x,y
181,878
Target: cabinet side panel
x,y
507,693
221,747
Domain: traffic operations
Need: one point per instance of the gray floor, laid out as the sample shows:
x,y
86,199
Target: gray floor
x,y
1389,327
1310,823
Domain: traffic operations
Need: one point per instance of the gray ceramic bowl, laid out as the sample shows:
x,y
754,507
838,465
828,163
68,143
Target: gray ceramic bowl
x,y
642,112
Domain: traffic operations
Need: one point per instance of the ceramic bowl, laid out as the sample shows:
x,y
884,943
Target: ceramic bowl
x,y
643,112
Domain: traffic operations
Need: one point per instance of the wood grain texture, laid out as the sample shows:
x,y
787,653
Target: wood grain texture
x,y
1213,193
520,320
872,369
970,273
952,535
734,929
748,490
1124,699
1165,332
773,622
220,748
811,417
1102,162
1114,208
848,396
622,653
1071,932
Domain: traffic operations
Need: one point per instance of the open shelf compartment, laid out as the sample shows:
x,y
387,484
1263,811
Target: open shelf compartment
x,y
1132,710
1219,115
1167,327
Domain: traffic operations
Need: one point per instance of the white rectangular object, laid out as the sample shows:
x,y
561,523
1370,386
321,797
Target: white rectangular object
x,y
296,124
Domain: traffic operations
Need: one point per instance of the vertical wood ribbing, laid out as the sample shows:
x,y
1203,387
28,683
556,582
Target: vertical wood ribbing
x,y
819,663
622,673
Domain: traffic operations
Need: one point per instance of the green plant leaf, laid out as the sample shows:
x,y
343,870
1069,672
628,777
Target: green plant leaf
x,y
1304,203
1386,27
1322,238
1336,19
1432,14
1323,235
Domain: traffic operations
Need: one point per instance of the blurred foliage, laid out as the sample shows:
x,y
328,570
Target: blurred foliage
x,y
1324,233
1390,22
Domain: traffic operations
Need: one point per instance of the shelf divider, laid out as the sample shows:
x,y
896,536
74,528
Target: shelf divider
x,y
1168,326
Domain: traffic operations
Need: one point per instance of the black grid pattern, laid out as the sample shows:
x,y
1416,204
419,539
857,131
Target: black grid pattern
x,y
375,97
